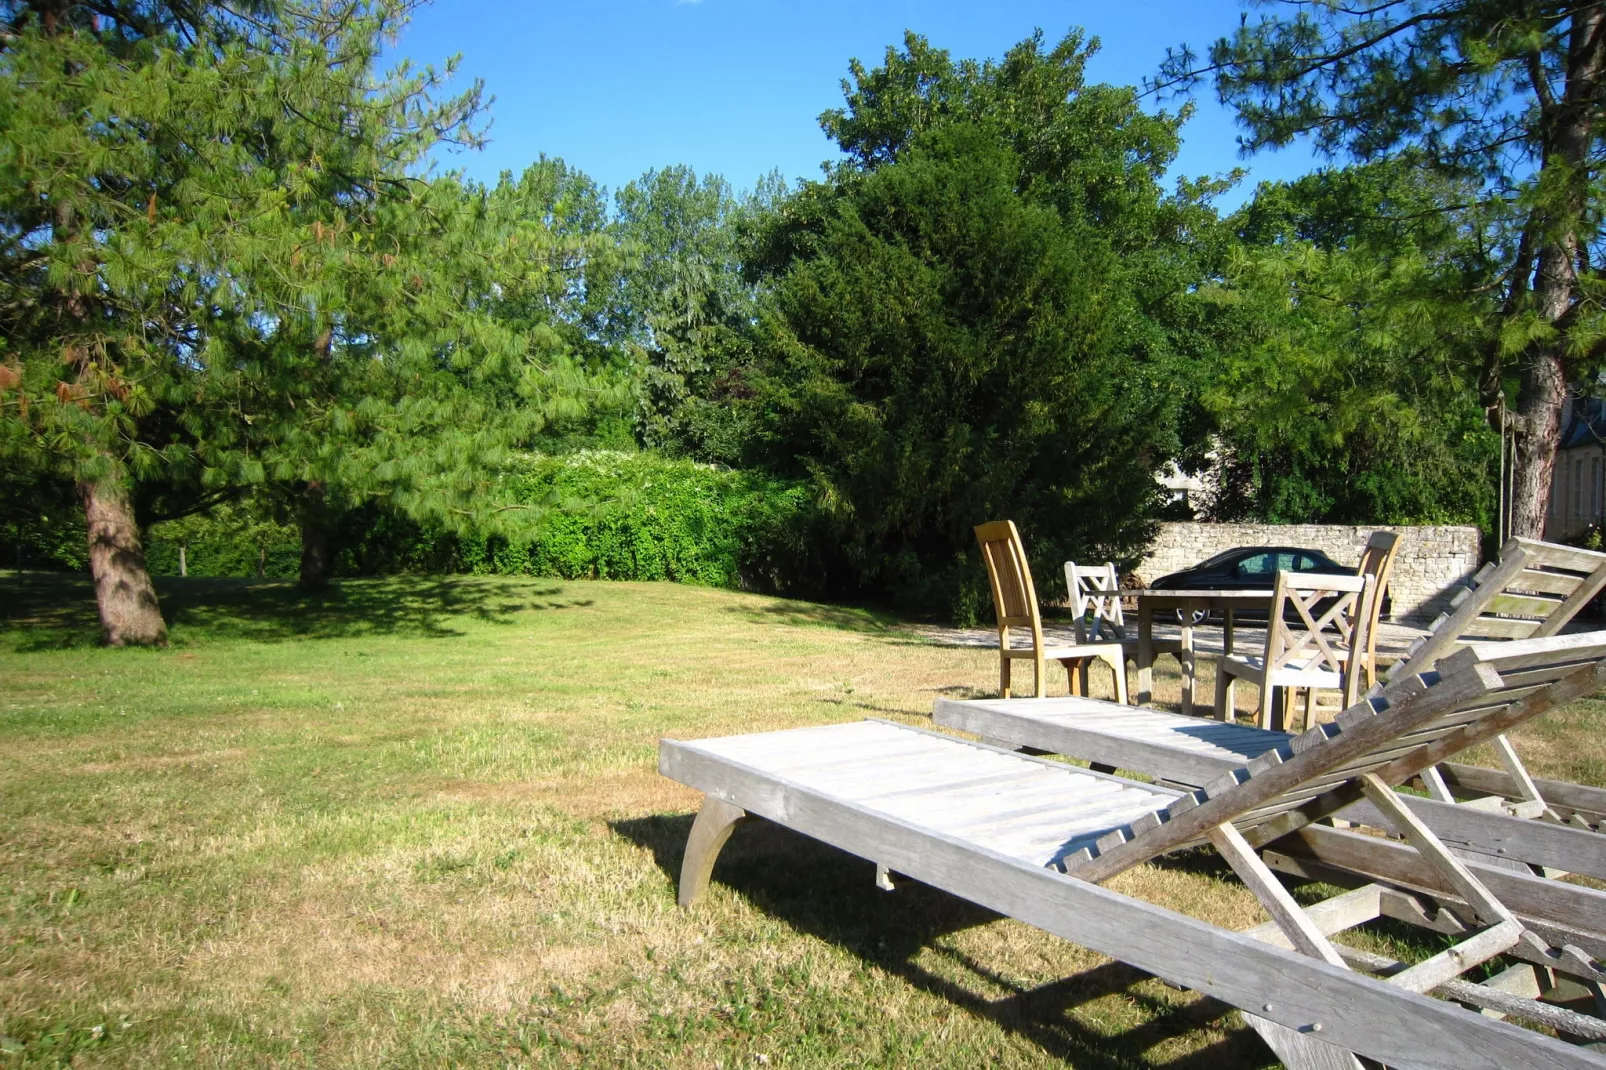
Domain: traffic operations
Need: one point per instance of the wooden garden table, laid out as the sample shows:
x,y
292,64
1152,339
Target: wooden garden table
x,y
1230,603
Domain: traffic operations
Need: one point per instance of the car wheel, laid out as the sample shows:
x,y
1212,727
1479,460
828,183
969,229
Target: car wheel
x,y
1195,617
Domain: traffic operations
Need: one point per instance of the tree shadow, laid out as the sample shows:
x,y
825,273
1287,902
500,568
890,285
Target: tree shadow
x,y
812,614
44,611
829,894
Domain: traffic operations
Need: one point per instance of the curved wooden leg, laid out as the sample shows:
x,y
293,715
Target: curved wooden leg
x,y
714,824
1003,677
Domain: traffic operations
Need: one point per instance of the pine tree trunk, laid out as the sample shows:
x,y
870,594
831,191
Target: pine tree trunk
x,y
316,559
1544,388
1567,127
129,612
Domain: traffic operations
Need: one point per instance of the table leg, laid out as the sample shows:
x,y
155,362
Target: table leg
x,y
1185,658
1145,655
1227,617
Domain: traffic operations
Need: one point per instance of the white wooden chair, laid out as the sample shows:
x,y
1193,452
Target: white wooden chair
x,y
1015,601
1312,653
1038,840
1095,592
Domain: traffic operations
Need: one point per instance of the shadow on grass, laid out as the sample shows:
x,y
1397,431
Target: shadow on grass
x,y
44,611
831,895
812,614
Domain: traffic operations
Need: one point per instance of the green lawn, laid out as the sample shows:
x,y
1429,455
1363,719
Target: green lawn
x,y
418,822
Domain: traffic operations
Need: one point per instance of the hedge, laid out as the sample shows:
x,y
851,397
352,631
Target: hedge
x,y
593,515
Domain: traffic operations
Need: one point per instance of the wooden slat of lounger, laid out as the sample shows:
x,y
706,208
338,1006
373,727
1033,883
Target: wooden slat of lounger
x,y
1036,796
1580,797
1284,770
1561,583
1499,628
818,742
1541,843
1524,653
1082,813
1168,745
1553,555
1400,769
1356,1012
1507,604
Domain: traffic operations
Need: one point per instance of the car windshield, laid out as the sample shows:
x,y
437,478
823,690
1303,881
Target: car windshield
x,y
1225,555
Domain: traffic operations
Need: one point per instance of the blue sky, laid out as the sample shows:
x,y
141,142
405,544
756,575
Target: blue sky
x,y
735,86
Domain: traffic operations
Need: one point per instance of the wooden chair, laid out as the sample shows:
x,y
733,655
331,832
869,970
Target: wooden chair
x,y
1313,652
1096,599
1039,840
1015,601
1377,561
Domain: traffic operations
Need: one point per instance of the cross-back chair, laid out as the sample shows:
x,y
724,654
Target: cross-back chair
x,y
1015,601
1100,618
1314,627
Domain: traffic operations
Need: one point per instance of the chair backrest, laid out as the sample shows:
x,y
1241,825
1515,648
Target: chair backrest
x,y
1317,621
1014,597
1096,600
1377,561
1475,694
1534,590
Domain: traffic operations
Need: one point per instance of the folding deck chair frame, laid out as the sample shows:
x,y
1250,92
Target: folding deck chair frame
x,y
1533,591
1311,1008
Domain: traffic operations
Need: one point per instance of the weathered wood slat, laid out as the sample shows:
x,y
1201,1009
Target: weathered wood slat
x,y
1499,628
1498,782
1356,731
1539,843
1522,605
1560,583
1526,895
1543,650
1555,555
1355,1012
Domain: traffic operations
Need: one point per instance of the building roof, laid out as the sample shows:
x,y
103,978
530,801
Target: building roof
x,y
1587,427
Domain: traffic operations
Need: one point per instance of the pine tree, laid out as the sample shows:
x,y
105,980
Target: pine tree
x,y
223,264
1510,94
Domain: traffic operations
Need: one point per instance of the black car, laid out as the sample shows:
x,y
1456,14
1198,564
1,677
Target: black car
x,y
1249,568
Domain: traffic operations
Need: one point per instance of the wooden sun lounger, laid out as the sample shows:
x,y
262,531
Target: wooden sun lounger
x,y
1035,839
1532,591
1191,751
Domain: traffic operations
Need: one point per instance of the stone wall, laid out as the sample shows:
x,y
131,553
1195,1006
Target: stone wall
x,y
1430,560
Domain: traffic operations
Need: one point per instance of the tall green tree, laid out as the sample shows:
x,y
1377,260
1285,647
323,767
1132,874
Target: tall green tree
x,y
1342,384
222,266
687,308
972,317
1506,94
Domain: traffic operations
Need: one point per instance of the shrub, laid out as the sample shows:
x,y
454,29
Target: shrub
x,y
237,539
595,514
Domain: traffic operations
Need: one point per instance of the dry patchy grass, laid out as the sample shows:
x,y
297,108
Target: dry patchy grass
x,y
416,822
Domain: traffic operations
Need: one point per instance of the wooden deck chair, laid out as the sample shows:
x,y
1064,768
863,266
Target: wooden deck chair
x,y
1377,561
1015,601
1191,751
1096,599
1535,589
1036,840
1315,651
